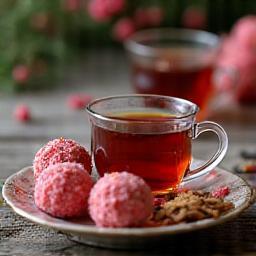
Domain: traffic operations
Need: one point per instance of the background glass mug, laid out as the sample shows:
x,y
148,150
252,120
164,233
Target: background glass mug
x,y
174,62
150,136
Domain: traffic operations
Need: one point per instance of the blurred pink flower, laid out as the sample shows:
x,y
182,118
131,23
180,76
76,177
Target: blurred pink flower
x,y
244,32
152,16
155,15
78,101
98,11
102,10
123,29
22,113
141,18
115,6
236,65
194,17
21,74
72,5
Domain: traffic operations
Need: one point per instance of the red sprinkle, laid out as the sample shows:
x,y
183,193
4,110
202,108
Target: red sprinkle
x,y
158,201
221,192
22,113
78,101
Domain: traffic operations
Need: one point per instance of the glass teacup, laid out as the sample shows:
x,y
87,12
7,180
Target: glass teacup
x,y
150,136
174,62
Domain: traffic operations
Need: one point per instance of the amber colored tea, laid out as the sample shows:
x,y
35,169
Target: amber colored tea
x,y
160,158
192,84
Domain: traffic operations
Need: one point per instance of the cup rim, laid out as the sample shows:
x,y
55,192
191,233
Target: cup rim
x,y
103,117
134,45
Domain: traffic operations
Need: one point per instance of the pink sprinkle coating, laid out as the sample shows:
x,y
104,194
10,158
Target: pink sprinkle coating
x,y
60,151
120,199
62,190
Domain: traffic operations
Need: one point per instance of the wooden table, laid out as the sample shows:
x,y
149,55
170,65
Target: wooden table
x,y
52,118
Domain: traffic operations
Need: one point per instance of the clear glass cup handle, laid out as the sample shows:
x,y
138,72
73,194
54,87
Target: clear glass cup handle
x,y
206,126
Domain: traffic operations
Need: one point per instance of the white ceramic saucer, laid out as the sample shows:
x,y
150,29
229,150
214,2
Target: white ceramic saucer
x,y
18,193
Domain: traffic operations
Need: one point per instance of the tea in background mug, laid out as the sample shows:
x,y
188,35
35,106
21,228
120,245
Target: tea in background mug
x,y
174,62
150,136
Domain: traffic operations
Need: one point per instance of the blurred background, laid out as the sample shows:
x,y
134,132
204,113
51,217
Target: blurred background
x,y
56,56
40,38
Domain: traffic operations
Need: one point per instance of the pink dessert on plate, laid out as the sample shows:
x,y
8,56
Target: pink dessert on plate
x,y
61,151
120,199
62,190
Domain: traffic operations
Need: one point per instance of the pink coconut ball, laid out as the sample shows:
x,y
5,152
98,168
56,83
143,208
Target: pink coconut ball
x,y
61,151
62,190
120,199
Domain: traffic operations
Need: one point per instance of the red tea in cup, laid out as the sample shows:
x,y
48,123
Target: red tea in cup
x,y
173,62
149,136
161,159
194,85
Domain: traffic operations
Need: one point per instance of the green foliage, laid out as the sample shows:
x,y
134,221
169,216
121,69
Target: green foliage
x,y
25,41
